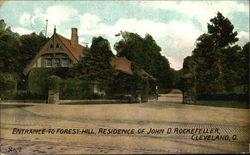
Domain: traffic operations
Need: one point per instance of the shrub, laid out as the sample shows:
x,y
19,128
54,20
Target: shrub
x,y
7,85
53,83
77,89
224,97
38,78
27,95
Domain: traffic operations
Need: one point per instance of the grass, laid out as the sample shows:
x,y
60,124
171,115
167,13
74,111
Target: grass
x,y
225,104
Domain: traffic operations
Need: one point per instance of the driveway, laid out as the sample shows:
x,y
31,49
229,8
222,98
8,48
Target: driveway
x,y
159,116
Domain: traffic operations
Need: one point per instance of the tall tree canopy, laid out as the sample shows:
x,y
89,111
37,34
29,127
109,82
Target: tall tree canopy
x,y
9,49
31,44
244,67
216,59
95,65
145,53
221,30
17,51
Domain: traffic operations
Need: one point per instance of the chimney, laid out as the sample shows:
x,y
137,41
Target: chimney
x,y
74,37
54,30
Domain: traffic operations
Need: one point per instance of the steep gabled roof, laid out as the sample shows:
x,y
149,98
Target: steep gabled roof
x,y
77,51
124,65
121,64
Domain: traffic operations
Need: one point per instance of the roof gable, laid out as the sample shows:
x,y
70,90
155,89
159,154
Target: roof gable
x,y
124,65
76,51
121,64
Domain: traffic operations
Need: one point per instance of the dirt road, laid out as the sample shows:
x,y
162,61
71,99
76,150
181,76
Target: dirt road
x,y
163,115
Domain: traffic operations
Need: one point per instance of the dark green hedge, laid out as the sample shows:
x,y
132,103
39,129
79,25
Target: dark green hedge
x,y
224,97
38,78
27,95
8,85
54,83
77,89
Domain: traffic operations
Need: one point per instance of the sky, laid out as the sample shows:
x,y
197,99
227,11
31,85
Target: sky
x,y
175,25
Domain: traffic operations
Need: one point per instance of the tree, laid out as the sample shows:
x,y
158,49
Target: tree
x,y
17,51
9,49
31,44
145,54
178,81
95,65
221,30
7,85
215,59
243,68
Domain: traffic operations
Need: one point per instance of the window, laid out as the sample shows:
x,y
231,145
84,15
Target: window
x,y
65,62
51,46
57,62
48,62
57,45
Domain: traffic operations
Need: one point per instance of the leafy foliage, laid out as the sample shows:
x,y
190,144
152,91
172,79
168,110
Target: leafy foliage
x,y
216,67
9,49
95,65
31,44
17,51
244,67
77,89
221,30
7,84
38,80
27,95
53,83
178,79
145,54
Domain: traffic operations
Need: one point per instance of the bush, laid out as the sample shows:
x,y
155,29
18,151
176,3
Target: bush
x,y
38,78
224,97
77,89
27,95
8,85
53,82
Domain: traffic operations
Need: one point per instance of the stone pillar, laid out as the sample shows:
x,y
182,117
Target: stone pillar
x,y
53,97
53,93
